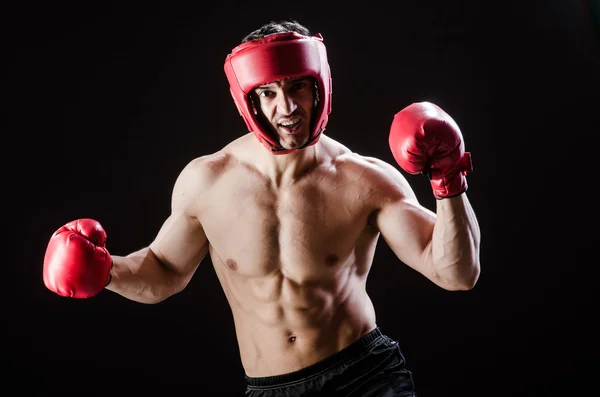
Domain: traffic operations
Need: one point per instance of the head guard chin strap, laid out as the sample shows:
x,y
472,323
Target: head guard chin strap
x,y
277,57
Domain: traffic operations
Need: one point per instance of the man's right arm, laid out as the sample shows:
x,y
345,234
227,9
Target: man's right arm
x,y
166,266
154,273
77,262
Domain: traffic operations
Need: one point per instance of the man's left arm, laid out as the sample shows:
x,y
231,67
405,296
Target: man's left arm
x,y
455,243
443,246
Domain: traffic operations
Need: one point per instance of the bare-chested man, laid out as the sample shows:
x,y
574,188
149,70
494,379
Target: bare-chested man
x,y
290,219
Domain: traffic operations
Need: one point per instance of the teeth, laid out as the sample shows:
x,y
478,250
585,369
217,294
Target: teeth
x,y
290,123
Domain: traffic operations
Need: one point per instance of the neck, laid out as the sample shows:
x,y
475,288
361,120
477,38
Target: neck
x,y
285,169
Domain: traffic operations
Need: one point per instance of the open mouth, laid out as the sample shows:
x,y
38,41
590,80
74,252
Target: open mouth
x,y
290,126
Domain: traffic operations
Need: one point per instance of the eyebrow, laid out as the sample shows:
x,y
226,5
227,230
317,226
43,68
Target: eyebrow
x,y
293,80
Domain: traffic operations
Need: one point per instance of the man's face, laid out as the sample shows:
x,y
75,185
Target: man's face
x,y
287,106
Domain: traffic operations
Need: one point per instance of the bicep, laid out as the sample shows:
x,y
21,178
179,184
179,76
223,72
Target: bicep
x,y
180,244
405,225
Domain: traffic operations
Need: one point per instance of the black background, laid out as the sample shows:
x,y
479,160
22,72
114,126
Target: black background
x,y
104,103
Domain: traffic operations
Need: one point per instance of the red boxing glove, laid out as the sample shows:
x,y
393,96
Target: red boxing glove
x,y
425,139
76,263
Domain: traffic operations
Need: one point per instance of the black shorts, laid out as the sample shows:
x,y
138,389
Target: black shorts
x,y
373,366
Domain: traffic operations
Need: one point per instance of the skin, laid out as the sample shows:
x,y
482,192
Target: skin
x,y
292,238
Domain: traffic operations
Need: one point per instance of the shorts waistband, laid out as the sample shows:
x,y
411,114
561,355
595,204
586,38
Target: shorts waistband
x,y
350,351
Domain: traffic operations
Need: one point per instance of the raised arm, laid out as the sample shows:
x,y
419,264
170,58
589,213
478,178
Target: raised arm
x,y
444,246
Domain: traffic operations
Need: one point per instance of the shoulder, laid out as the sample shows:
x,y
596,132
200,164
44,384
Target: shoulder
x,y
373,173
206,169
202,172
198,177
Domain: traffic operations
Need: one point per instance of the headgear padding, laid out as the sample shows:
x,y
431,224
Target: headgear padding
x,y
276,57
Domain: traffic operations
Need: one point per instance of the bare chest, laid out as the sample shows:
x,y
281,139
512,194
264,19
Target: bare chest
x,y
304,230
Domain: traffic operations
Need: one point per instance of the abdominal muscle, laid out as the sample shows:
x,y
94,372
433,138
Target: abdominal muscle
x,y
283,325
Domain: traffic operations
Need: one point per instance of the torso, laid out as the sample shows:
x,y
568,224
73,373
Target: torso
x,y
292,260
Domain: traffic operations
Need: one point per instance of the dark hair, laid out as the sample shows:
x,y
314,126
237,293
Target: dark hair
x,y
273,27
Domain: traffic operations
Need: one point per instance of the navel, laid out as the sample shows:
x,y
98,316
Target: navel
x,y
231,264
292,339
331,260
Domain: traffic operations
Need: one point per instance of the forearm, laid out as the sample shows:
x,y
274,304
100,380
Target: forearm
x,y
141,277
455,244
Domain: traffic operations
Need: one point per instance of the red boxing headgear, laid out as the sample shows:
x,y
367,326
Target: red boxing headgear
x,y
276,57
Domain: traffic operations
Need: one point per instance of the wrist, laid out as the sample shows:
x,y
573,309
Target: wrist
x,y
453,180
447,187
112,264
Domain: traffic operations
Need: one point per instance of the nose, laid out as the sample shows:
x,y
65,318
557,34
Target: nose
x,y
286,104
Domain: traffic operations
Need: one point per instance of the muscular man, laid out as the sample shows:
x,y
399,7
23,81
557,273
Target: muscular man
x,y
291,218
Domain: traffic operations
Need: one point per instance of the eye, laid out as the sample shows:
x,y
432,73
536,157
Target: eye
x,y
300,85
265,94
